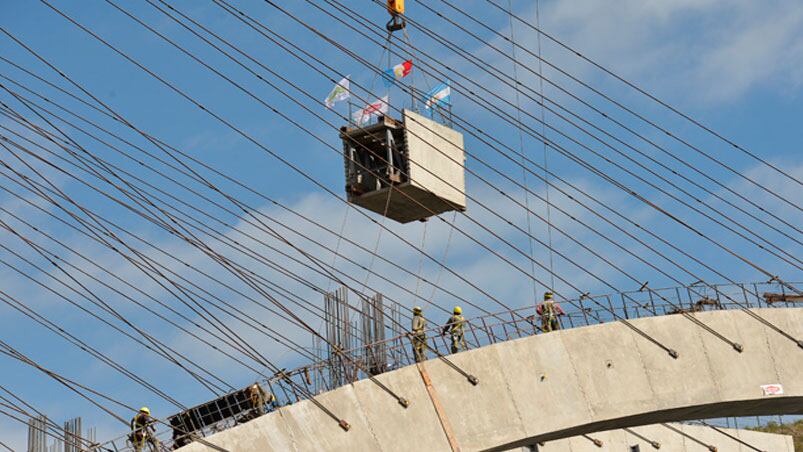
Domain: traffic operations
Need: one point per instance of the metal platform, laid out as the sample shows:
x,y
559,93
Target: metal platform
x,y
406,170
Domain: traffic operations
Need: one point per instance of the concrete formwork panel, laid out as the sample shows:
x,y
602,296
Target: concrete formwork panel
x,y
613,379
312,429
435,149
541,380
689,378
737,374
785,349
270,432
432,181
390,423
487,404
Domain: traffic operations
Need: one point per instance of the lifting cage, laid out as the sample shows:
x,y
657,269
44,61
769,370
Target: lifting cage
x,y
406,170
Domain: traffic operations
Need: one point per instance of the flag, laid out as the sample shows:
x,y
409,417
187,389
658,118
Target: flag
x,y
400,70
441,94
363,116
339,93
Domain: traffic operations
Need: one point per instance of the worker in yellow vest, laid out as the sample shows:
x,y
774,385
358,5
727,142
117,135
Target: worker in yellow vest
x,y
419,336
259,399
454,326
143,431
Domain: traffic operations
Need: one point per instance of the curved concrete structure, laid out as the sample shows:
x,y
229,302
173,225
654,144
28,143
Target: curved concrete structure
x,y
726,440
552,386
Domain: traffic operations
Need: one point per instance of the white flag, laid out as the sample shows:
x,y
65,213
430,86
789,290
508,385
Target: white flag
x,y
363,116
339,93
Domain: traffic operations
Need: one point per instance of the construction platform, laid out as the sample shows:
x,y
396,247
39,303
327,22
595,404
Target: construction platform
x,y
405,170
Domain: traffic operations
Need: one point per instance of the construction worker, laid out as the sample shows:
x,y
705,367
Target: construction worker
x,y
259,399
419,336
549,312
143,430
455,327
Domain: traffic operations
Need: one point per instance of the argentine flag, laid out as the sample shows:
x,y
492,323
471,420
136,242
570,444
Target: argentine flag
x,y
441,94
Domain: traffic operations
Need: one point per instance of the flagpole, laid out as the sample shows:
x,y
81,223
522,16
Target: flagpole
x,y
412,96
390,52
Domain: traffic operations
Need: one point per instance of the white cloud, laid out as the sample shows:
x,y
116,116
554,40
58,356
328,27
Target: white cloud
x,y
712,50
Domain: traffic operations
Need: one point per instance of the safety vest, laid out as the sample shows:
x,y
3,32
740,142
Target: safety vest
x,y
456,324
549,310
141,423
257,396
419,324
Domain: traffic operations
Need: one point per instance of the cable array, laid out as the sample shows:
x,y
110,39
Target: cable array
x,y
70,157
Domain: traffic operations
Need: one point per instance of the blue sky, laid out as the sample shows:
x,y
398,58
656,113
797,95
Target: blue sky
x,y
734,65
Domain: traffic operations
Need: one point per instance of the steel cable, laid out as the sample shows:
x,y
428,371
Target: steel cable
x,y
509,118
618,123
646,93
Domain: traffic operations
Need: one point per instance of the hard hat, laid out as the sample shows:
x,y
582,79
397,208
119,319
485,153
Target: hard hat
x,y
145,410
417,309
547,295
457,310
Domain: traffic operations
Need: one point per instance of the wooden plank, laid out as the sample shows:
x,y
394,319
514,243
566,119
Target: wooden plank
x,y
433,396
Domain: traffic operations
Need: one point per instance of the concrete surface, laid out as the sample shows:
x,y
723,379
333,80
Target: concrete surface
x,y
552,386
671,441
436,158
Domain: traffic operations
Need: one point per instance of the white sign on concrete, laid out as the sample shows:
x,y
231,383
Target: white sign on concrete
x,y
776,389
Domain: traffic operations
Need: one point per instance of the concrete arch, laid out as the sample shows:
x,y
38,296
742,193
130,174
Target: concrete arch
x,y
552,386
725,440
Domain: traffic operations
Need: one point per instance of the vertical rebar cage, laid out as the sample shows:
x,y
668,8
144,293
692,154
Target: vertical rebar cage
x,y
373,335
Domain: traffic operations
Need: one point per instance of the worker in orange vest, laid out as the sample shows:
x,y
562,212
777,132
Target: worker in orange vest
x,y
549,312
